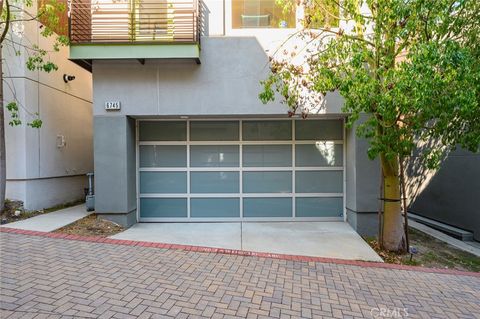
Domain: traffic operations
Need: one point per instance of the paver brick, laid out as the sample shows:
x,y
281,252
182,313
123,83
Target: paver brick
x,y
59,278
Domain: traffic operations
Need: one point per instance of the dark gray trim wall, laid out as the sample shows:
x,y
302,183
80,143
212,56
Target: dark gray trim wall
x,y
365,223
362,185
131,165
126,220
114,161
451,195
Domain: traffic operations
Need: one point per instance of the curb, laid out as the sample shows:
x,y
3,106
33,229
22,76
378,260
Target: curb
x,y
236,252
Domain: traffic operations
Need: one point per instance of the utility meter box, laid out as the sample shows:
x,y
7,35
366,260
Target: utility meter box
x,y
90,198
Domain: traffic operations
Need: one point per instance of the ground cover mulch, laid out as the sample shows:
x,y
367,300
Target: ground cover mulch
x,y
431,253
91,226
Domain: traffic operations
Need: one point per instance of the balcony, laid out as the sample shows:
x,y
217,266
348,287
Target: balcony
x,y
133,29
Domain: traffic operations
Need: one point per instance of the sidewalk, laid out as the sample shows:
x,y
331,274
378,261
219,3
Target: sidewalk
x,y
51,221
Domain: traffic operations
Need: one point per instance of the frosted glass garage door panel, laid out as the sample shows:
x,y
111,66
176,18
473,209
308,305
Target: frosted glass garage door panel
x,y
267,207
163,131
214,207
319,130
163,207
214,156
319,206
267,130
319,181
163,156
214,131
320,154
267,182
163,182
214,182
267,155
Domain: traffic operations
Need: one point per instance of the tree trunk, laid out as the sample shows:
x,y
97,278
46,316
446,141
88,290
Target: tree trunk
x,y
3,166
392,230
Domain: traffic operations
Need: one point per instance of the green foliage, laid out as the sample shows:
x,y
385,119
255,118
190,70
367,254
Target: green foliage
x,y
35,123
318,14
321,14
411,66
38,61
12,107
50,13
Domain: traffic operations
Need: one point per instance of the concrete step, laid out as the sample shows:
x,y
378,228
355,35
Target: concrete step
x,y
461,234
468,246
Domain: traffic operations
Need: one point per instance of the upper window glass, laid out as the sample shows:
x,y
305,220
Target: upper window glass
x,y
267,130
163,131
214,131
319,130
261,14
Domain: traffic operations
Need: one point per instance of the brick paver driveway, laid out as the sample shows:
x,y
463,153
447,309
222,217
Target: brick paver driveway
x,y
46,277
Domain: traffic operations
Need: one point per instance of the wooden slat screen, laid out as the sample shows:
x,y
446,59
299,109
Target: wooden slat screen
x,y
133,21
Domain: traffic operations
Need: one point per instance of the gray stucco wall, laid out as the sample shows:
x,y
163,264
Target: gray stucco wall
x,y
451,195
115,168
362,185
226,83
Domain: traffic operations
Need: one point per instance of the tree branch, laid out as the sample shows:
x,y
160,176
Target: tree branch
x,y
22,20
16,99
345,9
28,47
351,37
7,21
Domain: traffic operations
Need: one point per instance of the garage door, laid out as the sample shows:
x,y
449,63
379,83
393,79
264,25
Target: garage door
x,y
228,170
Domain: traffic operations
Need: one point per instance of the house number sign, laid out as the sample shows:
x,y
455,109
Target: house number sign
x,y
112,105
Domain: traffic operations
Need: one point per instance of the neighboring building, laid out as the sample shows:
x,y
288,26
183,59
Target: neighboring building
x,y
46,166
450,194
181,135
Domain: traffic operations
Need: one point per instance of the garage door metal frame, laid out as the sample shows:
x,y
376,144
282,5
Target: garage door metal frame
x,y
239,169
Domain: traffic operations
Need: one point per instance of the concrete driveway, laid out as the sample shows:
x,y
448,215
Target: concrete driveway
x,y
317,239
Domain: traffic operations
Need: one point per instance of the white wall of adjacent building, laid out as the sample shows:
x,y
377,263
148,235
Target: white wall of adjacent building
x,y
41,171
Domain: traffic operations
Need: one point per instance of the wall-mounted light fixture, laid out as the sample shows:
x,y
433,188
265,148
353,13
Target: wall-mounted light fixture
x,y
67,78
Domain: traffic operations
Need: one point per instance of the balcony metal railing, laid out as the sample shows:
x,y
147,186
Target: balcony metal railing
x,y
133,21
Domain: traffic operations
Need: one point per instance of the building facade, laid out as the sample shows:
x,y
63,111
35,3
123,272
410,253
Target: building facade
x,y
180,133
46,166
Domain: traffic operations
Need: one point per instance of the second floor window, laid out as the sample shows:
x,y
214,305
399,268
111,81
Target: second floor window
x,y
261,14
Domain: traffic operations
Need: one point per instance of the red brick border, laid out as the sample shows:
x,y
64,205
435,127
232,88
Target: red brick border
x,y
237,252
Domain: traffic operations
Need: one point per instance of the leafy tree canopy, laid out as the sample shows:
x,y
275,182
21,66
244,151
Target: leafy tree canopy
x,y
412,65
